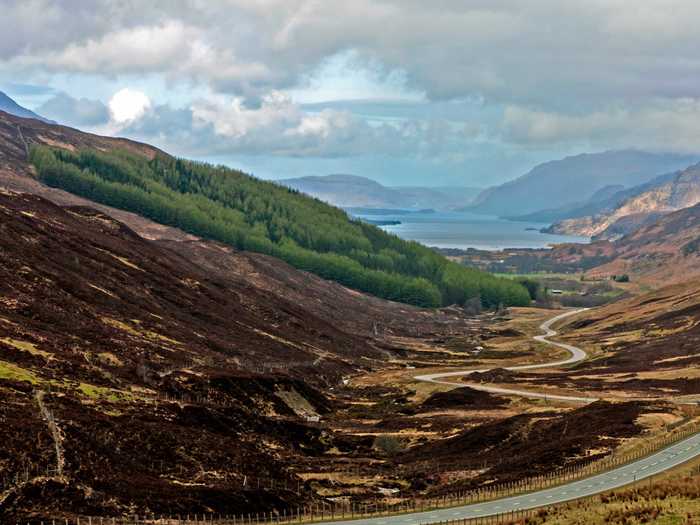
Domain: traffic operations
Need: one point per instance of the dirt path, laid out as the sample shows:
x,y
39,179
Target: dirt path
x,y
55,432
21,136
577,355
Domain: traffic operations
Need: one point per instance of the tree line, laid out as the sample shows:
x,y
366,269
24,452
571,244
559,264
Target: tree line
x,y
229,206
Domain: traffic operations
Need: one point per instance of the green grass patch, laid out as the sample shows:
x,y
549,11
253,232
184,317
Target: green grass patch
x,y
25,346
100,393
13,372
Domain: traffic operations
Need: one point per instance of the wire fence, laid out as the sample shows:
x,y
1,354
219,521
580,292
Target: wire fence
x,y
515,517
346,510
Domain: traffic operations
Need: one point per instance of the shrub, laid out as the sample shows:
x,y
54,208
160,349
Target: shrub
x,y
389,445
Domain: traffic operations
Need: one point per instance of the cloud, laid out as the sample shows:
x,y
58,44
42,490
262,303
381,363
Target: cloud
x,y
279,127
659,125
138,49
178,51
75,112
128,105
33,27
547,54
515,76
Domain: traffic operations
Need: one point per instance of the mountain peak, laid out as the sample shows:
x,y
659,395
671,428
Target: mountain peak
x,y
10,106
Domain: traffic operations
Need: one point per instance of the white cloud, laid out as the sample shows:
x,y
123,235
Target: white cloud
x,y
143,48
234,119
279,127
128,105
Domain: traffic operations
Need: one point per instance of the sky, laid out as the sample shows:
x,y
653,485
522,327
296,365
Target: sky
x,y
407,92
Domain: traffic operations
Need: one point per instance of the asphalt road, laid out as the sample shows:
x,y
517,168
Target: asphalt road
x,y
576,355
639,470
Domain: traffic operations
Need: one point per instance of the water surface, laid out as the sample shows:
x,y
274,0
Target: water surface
x,y
468,230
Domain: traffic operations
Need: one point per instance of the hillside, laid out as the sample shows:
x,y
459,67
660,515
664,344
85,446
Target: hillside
x,y
573,180
10,106
646,343
664,251
172,368
352,191
227,205
639,209
184,377
600,200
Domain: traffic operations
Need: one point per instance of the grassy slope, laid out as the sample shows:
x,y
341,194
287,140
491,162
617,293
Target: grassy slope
x,y
232,207
673,498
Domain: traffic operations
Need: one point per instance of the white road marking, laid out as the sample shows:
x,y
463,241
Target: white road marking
x,y
601,482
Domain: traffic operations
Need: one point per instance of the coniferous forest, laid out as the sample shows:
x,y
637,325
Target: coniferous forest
x,y
247,213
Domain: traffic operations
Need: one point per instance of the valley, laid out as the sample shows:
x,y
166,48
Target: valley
x,y
299,262
275,399
157,370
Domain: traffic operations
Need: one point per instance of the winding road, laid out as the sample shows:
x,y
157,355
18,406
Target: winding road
x,y
577,355
644,468
641,469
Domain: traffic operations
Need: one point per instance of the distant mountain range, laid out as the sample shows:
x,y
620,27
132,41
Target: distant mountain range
x,y
10,106
352,191
628,210
604,200
575,181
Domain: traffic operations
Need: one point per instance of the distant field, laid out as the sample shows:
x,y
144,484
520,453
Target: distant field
x,y
545,275
572,290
